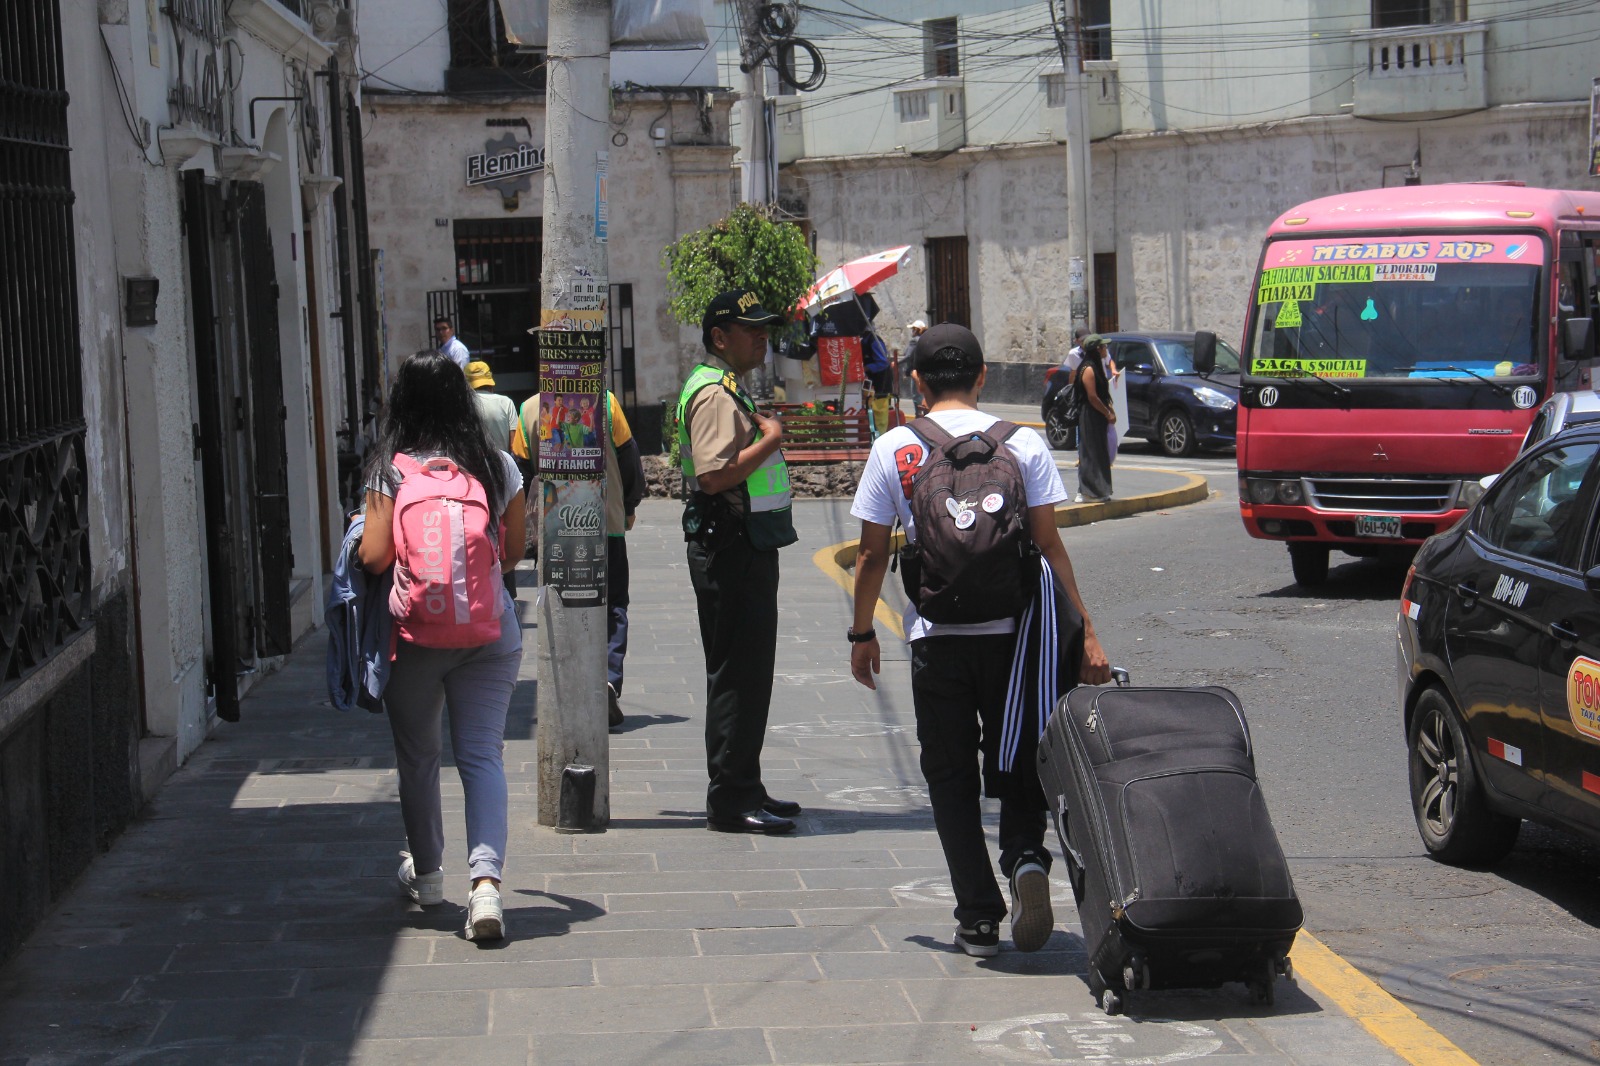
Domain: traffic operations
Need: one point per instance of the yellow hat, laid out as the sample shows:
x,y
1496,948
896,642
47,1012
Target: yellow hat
x,y
478,374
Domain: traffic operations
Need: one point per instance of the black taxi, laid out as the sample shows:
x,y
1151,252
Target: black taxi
x,y
1499,658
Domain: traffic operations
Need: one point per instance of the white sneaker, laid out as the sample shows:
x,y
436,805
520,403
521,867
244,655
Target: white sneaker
x,y
1077,498
1032,920
426,889
485,918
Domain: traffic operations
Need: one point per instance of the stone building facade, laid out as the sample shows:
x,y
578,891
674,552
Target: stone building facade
x,y
1205,124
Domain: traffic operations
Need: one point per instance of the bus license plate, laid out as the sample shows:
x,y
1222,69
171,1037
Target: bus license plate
x,y
1378,525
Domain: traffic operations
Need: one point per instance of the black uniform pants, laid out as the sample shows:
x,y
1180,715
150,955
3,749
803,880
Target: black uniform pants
x,y
736,591
958,690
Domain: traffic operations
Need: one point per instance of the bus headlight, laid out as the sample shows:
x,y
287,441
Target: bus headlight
x,y
1272,490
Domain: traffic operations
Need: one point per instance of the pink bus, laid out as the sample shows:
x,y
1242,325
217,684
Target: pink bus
x,y
1397,344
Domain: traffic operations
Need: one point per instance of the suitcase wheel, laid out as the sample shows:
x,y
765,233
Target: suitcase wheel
x,y
1261,991
1111,1001
1286,969
1136,973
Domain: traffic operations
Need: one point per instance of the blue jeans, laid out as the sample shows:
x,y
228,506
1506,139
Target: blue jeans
x,y
478,683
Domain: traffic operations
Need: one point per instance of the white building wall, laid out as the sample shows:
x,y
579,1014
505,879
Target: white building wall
x,y
140,401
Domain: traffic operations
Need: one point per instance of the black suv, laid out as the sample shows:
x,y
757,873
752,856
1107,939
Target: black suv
x,y
1499,658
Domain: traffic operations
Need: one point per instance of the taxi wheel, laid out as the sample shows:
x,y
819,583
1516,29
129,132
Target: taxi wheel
x,y
1453,815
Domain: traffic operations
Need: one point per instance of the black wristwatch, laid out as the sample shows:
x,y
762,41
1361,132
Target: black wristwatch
x,y
860,638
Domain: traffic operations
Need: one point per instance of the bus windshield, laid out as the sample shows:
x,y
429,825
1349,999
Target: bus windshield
x,y
1412,313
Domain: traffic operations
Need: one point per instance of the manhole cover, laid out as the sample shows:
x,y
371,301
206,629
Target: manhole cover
x,y
898,797
837,729
1094,1038
1527,984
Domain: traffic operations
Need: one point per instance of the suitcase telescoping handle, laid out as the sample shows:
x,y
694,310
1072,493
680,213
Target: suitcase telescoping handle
x,y
1120,676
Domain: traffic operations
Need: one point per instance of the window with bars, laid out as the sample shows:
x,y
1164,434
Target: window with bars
x,y
1055,90
1391,14
941,49
43,494
481,56
911,106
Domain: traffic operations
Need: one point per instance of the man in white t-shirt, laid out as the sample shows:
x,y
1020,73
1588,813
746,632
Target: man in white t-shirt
x,y
450,344
959,673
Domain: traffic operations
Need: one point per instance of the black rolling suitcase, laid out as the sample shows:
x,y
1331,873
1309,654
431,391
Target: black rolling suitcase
x,y
1177,871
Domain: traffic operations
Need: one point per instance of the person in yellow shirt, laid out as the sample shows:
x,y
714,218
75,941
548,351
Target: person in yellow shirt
x,y
624,489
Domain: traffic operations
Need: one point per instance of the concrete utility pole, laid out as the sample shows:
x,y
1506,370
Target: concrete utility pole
x,y
756,184
572,741
1080,273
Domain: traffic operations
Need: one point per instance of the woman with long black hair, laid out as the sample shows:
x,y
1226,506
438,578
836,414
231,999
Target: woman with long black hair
x,y
431,414
1094,418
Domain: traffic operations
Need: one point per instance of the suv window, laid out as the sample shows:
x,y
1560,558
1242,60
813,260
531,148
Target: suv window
x,y
1532,508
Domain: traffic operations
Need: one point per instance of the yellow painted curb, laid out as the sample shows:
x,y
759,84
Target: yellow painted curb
x,y
837,560
1392,1022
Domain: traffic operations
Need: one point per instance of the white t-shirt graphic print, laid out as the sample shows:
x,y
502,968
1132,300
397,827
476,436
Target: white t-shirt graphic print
x,y
884,494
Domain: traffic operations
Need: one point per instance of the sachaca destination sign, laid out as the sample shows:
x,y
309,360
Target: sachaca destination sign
x,y
502,161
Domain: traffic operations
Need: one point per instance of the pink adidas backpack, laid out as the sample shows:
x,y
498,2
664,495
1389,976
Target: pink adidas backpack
x,y
447,586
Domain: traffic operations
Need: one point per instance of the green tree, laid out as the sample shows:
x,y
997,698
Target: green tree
x,y
749,249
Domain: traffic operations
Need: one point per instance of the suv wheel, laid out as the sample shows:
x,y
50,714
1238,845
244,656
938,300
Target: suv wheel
x,y
1059,432
1453,815
1176,433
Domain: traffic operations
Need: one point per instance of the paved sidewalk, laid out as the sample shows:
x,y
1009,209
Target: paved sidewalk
x,y
251,915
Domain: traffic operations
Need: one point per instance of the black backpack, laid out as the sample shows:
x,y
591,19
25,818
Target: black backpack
x,y
973,560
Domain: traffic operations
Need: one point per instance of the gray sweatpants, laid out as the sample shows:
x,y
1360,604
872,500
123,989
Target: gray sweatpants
x,y
478,684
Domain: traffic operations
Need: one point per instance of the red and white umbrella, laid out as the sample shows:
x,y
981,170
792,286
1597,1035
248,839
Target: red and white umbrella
x,y
853,278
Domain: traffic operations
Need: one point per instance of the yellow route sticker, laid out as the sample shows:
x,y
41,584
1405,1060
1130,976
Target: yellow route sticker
x,y
1288,315
1583,696
1296,368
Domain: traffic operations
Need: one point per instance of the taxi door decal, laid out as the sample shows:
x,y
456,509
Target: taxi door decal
x,y
1583,696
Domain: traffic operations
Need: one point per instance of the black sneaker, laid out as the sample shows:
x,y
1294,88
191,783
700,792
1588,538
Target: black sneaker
x,y
982,940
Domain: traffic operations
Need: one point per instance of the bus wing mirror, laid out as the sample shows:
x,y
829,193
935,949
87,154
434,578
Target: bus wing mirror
x,y
1205,352
1576,336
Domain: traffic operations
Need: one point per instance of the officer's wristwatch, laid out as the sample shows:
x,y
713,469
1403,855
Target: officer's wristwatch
x,y
860,638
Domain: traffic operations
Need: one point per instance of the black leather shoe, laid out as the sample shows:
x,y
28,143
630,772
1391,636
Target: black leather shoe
x,y
782,808
756,821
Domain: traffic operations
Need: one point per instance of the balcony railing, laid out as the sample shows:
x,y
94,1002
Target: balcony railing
x,y
1421,71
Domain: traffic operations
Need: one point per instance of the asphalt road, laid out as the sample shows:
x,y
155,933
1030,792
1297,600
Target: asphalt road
x,y
1502,962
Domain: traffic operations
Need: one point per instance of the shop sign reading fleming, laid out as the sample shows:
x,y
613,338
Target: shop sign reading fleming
x,y
504,161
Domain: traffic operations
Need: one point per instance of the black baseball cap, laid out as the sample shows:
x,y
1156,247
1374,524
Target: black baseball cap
x,y
735,305
932,345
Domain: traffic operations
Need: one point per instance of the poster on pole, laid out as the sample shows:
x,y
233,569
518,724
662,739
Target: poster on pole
x,y
571,390
572,458
572,552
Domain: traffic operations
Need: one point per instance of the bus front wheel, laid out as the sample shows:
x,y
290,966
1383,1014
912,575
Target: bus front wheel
x,y
1310,563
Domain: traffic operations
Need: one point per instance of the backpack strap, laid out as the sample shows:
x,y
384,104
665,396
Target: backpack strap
x,y
932,435
1002,430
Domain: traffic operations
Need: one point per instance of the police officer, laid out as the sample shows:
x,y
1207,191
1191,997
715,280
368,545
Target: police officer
x,y
735,520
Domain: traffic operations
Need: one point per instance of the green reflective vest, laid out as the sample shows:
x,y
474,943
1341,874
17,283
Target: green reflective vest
x,y
769,518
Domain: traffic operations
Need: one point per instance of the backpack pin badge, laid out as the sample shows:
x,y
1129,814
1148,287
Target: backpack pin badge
x,y
993,502
961,511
